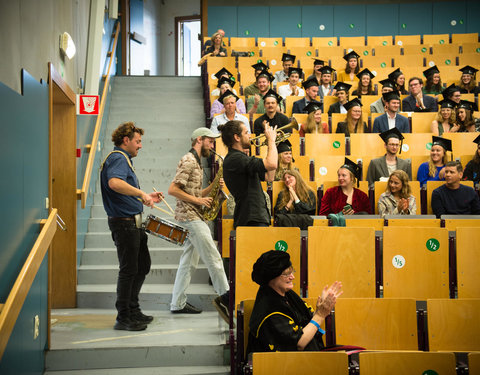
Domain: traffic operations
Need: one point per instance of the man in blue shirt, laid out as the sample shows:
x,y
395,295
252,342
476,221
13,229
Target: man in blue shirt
x,y
123,201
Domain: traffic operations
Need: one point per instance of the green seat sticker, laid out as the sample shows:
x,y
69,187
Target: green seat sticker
x,y
433,244
424,49
309,53
460,22
365,53
299,25
336,144
448,62
384,42
330,43
429,146
429,372
383,65
281,245
404,25
477,50
352,25
442,41
275,43
247,32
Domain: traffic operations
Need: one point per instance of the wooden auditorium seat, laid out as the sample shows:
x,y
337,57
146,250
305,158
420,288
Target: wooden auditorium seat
x,y
377,61
297,42
331,257
470,48
403,40
227,227
377,323
408,60
289,100
330,41
422,121
367,144
324,144
453,324
326,167
462,143
242,42
468,260
328,101
453,222
468,59
352,41
388,50
431,39
336,118
474,362
416,144
415,262
400,363
415,49
269,42
432,185
465,38
375,41
446,49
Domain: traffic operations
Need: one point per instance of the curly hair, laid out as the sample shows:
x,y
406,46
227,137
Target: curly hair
x,y
406,190
127,129
451,120
301,188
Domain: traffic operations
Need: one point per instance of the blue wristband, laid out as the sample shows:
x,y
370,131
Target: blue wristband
x,y
318,326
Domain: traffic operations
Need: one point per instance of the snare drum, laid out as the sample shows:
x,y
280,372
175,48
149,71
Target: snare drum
x,y
165,229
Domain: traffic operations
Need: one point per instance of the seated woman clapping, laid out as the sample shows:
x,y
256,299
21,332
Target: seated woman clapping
x,y
397,200
281,320
296,197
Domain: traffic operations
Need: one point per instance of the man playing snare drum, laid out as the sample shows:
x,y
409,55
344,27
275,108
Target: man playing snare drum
x,y
187,188
123,201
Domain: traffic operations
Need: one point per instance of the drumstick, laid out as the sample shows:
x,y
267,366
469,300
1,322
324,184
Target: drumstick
x,y
164,201
158,208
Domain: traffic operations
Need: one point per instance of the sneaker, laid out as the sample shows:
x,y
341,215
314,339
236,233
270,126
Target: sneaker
x,y
187,309
129,325
141,317
222,309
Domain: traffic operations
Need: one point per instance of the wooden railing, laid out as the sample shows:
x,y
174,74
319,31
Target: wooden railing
x,y
82,193
11,309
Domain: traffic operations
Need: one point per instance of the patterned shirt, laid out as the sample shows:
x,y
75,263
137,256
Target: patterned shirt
x,y
189,177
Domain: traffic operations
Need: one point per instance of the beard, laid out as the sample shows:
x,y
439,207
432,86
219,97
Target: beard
x,y
246,144
205,152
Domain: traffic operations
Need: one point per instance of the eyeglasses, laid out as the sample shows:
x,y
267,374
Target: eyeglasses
x,y
288,274
393,144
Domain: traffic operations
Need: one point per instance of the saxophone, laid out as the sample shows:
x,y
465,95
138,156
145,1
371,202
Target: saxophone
x,y
218,195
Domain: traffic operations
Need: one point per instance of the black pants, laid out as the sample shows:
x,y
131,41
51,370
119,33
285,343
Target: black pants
x,y
134,260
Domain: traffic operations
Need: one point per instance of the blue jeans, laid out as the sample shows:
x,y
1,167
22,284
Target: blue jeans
x,y
199,244
134,260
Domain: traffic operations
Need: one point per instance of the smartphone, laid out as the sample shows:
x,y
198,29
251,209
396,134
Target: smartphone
x,y
347,207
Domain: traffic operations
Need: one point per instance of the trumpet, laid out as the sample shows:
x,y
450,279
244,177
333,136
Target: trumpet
x,y
281,135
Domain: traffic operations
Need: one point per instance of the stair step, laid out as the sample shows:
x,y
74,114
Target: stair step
x,y
104,240
104,256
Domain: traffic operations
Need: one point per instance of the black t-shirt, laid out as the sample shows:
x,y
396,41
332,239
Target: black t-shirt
x,y
279,120
242,175
461,201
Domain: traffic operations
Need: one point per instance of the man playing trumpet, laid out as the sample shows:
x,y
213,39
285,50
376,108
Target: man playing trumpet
x,y
186,187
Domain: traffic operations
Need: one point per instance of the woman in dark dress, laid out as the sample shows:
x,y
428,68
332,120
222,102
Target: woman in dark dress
x,y
354,122
472,170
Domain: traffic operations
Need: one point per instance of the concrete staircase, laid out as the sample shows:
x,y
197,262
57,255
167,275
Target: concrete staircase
x,y
168,109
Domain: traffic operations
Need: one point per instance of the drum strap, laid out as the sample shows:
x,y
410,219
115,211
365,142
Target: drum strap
x,y
119,152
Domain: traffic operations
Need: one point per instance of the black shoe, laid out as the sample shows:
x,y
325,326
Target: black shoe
x,y
129,325
222,309
187,309
141,317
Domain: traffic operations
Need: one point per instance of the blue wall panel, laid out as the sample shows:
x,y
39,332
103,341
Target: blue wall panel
x,y
222,18
473,12
349,20
253,22
285,22
449,19
382,19
313,16
416,18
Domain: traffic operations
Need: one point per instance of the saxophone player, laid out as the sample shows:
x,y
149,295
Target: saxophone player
x,y
186,187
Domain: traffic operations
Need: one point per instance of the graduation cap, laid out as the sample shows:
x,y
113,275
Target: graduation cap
x,y
266,74
309,83
272,94
352,167
447,103
391,95
284,146
469,70
431,71
450,90
327,69
353,103
365,72
393,133
388,83
288,57
466,105
223,72
227,94
445,143
351,55
223,80
477,140
395,74
342,86
313,107
292,70
260,66
318,62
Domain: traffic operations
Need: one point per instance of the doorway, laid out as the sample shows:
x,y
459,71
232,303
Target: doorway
x,y
188,46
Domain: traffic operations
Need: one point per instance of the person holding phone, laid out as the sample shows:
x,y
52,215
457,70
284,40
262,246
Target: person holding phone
x,y
345,197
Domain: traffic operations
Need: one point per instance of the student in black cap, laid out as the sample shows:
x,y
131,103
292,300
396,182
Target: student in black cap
x,y
314,122
294,76
354,122
311,92
285,159
381,168
416,101
465,118
446,121
225,84
452,93
398,77
280,320
341,92
391,118
326,88
282,75
433,85
272,116
472,170
345,197
223,73
378,106
317,70
351,68
454,198
255,102
433,170
468,84
253,88
365,85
